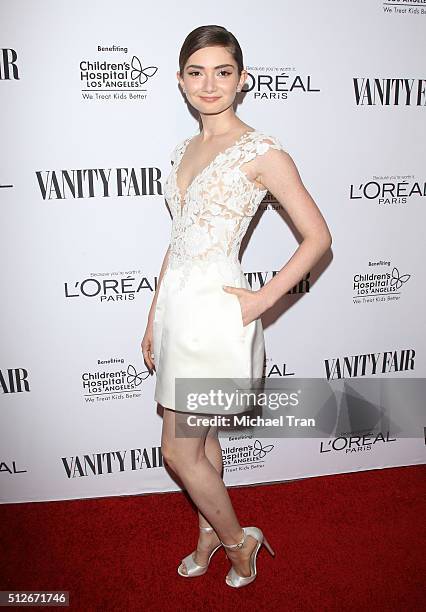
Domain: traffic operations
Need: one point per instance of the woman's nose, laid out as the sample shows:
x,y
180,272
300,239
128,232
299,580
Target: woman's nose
x,y
209,84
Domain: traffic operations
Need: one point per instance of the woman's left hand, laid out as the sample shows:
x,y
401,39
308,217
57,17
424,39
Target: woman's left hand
x,y
251,303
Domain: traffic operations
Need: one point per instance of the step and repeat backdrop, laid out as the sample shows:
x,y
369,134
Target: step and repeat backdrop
x,y
90,112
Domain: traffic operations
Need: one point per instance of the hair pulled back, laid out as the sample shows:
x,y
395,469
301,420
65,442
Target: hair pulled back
x,y
210,36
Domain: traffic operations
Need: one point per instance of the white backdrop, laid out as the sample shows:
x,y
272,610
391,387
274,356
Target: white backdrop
x,y
85,225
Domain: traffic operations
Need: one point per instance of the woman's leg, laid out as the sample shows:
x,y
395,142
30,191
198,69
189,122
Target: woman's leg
x,y
213,452
183,449
207,541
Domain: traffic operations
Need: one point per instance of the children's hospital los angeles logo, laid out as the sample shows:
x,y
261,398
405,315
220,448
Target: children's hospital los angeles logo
x,y
250,455
113,75
380,281
113,379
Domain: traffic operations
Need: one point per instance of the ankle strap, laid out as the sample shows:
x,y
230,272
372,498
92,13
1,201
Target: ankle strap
x,y
239,545
206,529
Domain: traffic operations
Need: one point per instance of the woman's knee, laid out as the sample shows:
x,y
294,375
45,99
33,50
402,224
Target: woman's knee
x,y
168,452
171,452
179,456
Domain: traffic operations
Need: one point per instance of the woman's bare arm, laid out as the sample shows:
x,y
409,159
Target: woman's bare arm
x,y
280,176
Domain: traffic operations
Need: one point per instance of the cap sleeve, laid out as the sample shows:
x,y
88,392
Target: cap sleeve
x,y
259,145
269,142
178,150
173,155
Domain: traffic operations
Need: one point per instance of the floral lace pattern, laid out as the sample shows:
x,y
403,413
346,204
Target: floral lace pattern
x,y
211,218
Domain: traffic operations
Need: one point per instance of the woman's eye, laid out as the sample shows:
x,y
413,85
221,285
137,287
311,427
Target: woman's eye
x,y
195,72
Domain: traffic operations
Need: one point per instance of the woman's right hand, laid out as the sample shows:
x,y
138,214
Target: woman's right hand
x,y
147,345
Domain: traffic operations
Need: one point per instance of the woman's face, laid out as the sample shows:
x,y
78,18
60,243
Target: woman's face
x,y
210,78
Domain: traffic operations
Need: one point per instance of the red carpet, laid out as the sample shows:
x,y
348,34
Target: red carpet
x,y
342,542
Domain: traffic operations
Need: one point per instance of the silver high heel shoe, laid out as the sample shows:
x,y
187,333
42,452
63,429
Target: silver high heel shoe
x,y
232,578
193,568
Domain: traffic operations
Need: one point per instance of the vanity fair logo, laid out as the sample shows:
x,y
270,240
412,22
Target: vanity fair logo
x,y
83,183
10,467
8,65
116,286
256,280
119,382
9,71
379,286
112,462
392,190
277,83
247,457
356,443
113,76
379,91
14,380
370,364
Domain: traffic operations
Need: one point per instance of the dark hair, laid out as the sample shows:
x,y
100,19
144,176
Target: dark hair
x,y
210,36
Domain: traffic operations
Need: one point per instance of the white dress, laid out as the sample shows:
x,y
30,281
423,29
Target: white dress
x,y
198,330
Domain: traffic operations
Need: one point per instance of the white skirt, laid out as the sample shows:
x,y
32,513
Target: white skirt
x,y
198,331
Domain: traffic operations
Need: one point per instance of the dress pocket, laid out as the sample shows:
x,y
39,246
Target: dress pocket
x,y
239,315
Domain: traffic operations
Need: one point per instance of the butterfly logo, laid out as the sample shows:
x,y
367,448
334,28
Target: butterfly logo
x,y
134,377
397,281
260,451
141,74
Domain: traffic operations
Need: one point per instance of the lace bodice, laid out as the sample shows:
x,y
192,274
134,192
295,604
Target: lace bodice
x,y
211,218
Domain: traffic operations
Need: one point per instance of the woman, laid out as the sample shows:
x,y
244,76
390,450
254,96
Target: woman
x,y
204,320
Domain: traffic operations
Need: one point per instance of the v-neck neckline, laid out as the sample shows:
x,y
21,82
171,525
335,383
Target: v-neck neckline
x,y
182,196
